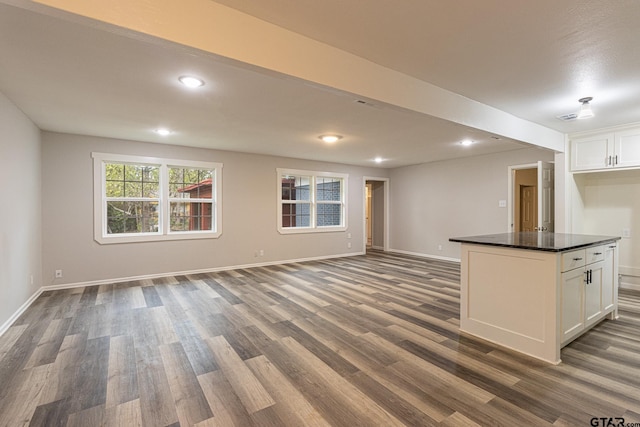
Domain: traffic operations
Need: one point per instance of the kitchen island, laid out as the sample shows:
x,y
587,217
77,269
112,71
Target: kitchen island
x,y
535,292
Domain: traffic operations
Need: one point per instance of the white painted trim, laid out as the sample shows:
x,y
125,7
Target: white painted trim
x,y
313,202
385,226
421,255
629,271
6,325
164,233
189,272
510,192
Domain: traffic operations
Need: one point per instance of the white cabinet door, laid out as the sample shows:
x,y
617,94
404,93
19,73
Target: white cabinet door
x,y
627,148
572,303
593,152
609,278
593,293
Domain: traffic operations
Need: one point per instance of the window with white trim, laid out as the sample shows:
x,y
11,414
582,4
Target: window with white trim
x,y
138,199
311,201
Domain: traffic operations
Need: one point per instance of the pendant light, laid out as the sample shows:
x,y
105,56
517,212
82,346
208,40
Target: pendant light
x,y
585,108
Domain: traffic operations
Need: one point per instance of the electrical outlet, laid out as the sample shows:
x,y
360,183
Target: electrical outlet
x,y
348,235
439,247
626,233
349,245
58,274
261,253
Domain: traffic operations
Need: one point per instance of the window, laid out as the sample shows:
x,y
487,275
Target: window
x,y
311,201
146,199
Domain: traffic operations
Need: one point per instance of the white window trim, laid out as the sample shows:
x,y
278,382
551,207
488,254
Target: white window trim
x,y
313,228
99,200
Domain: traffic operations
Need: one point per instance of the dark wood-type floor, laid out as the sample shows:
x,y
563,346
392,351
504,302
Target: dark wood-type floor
x,y
363,341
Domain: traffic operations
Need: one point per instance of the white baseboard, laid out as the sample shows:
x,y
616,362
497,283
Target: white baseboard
x,y
419,254
30,301
629,278
188,272
629,271
6,325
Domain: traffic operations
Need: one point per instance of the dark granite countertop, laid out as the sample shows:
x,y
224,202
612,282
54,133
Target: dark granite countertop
x,y
545,241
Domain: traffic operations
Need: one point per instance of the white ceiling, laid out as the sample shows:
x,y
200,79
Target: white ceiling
x,y
530,59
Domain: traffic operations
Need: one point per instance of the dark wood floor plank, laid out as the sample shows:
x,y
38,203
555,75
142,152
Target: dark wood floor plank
x,y
362,340
54,414
90,379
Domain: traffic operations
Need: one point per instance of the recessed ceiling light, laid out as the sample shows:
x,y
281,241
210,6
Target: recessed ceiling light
x,y
191,82
378,160
163,132
466,142
330,139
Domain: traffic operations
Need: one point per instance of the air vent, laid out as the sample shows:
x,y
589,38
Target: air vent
x,y
567,117
367,103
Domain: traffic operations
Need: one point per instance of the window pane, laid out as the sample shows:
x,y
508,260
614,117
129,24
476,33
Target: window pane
x,y
187,183
151,189
131,180
295,187
328,214
328,189
115,188
133,189
187,216
296,215
132,217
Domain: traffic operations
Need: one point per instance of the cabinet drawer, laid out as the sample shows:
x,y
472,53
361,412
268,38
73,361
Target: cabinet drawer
x,y
594,254
573,259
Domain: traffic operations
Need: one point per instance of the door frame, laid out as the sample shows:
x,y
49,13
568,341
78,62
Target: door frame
x,y
385,233
511,194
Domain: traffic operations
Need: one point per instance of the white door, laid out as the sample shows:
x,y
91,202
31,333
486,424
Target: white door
x,y
545,196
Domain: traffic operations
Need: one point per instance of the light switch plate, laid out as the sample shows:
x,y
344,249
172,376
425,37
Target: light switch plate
x,y
502,203
626,233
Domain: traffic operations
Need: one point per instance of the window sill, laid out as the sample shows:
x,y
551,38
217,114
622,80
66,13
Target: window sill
x,y
115,239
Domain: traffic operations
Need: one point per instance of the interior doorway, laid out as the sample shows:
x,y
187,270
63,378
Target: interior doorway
x,y
376,193
368,213
531,199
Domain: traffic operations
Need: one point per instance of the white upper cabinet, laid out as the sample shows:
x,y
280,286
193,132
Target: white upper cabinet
x,y
592,152
606,150
627,148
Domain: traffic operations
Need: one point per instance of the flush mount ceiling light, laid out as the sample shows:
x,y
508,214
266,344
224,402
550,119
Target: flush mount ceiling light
x,y
585,108
466,142
191,82
330,139
163,132
378,160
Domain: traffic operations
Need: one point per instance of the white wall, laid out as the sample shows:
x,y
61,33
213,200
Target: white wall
x,y
249,215
611,203
435,201
20,228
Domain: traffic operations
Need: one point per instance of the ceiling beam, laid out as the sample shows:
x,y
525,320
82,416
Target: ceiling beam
x,y
228,33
